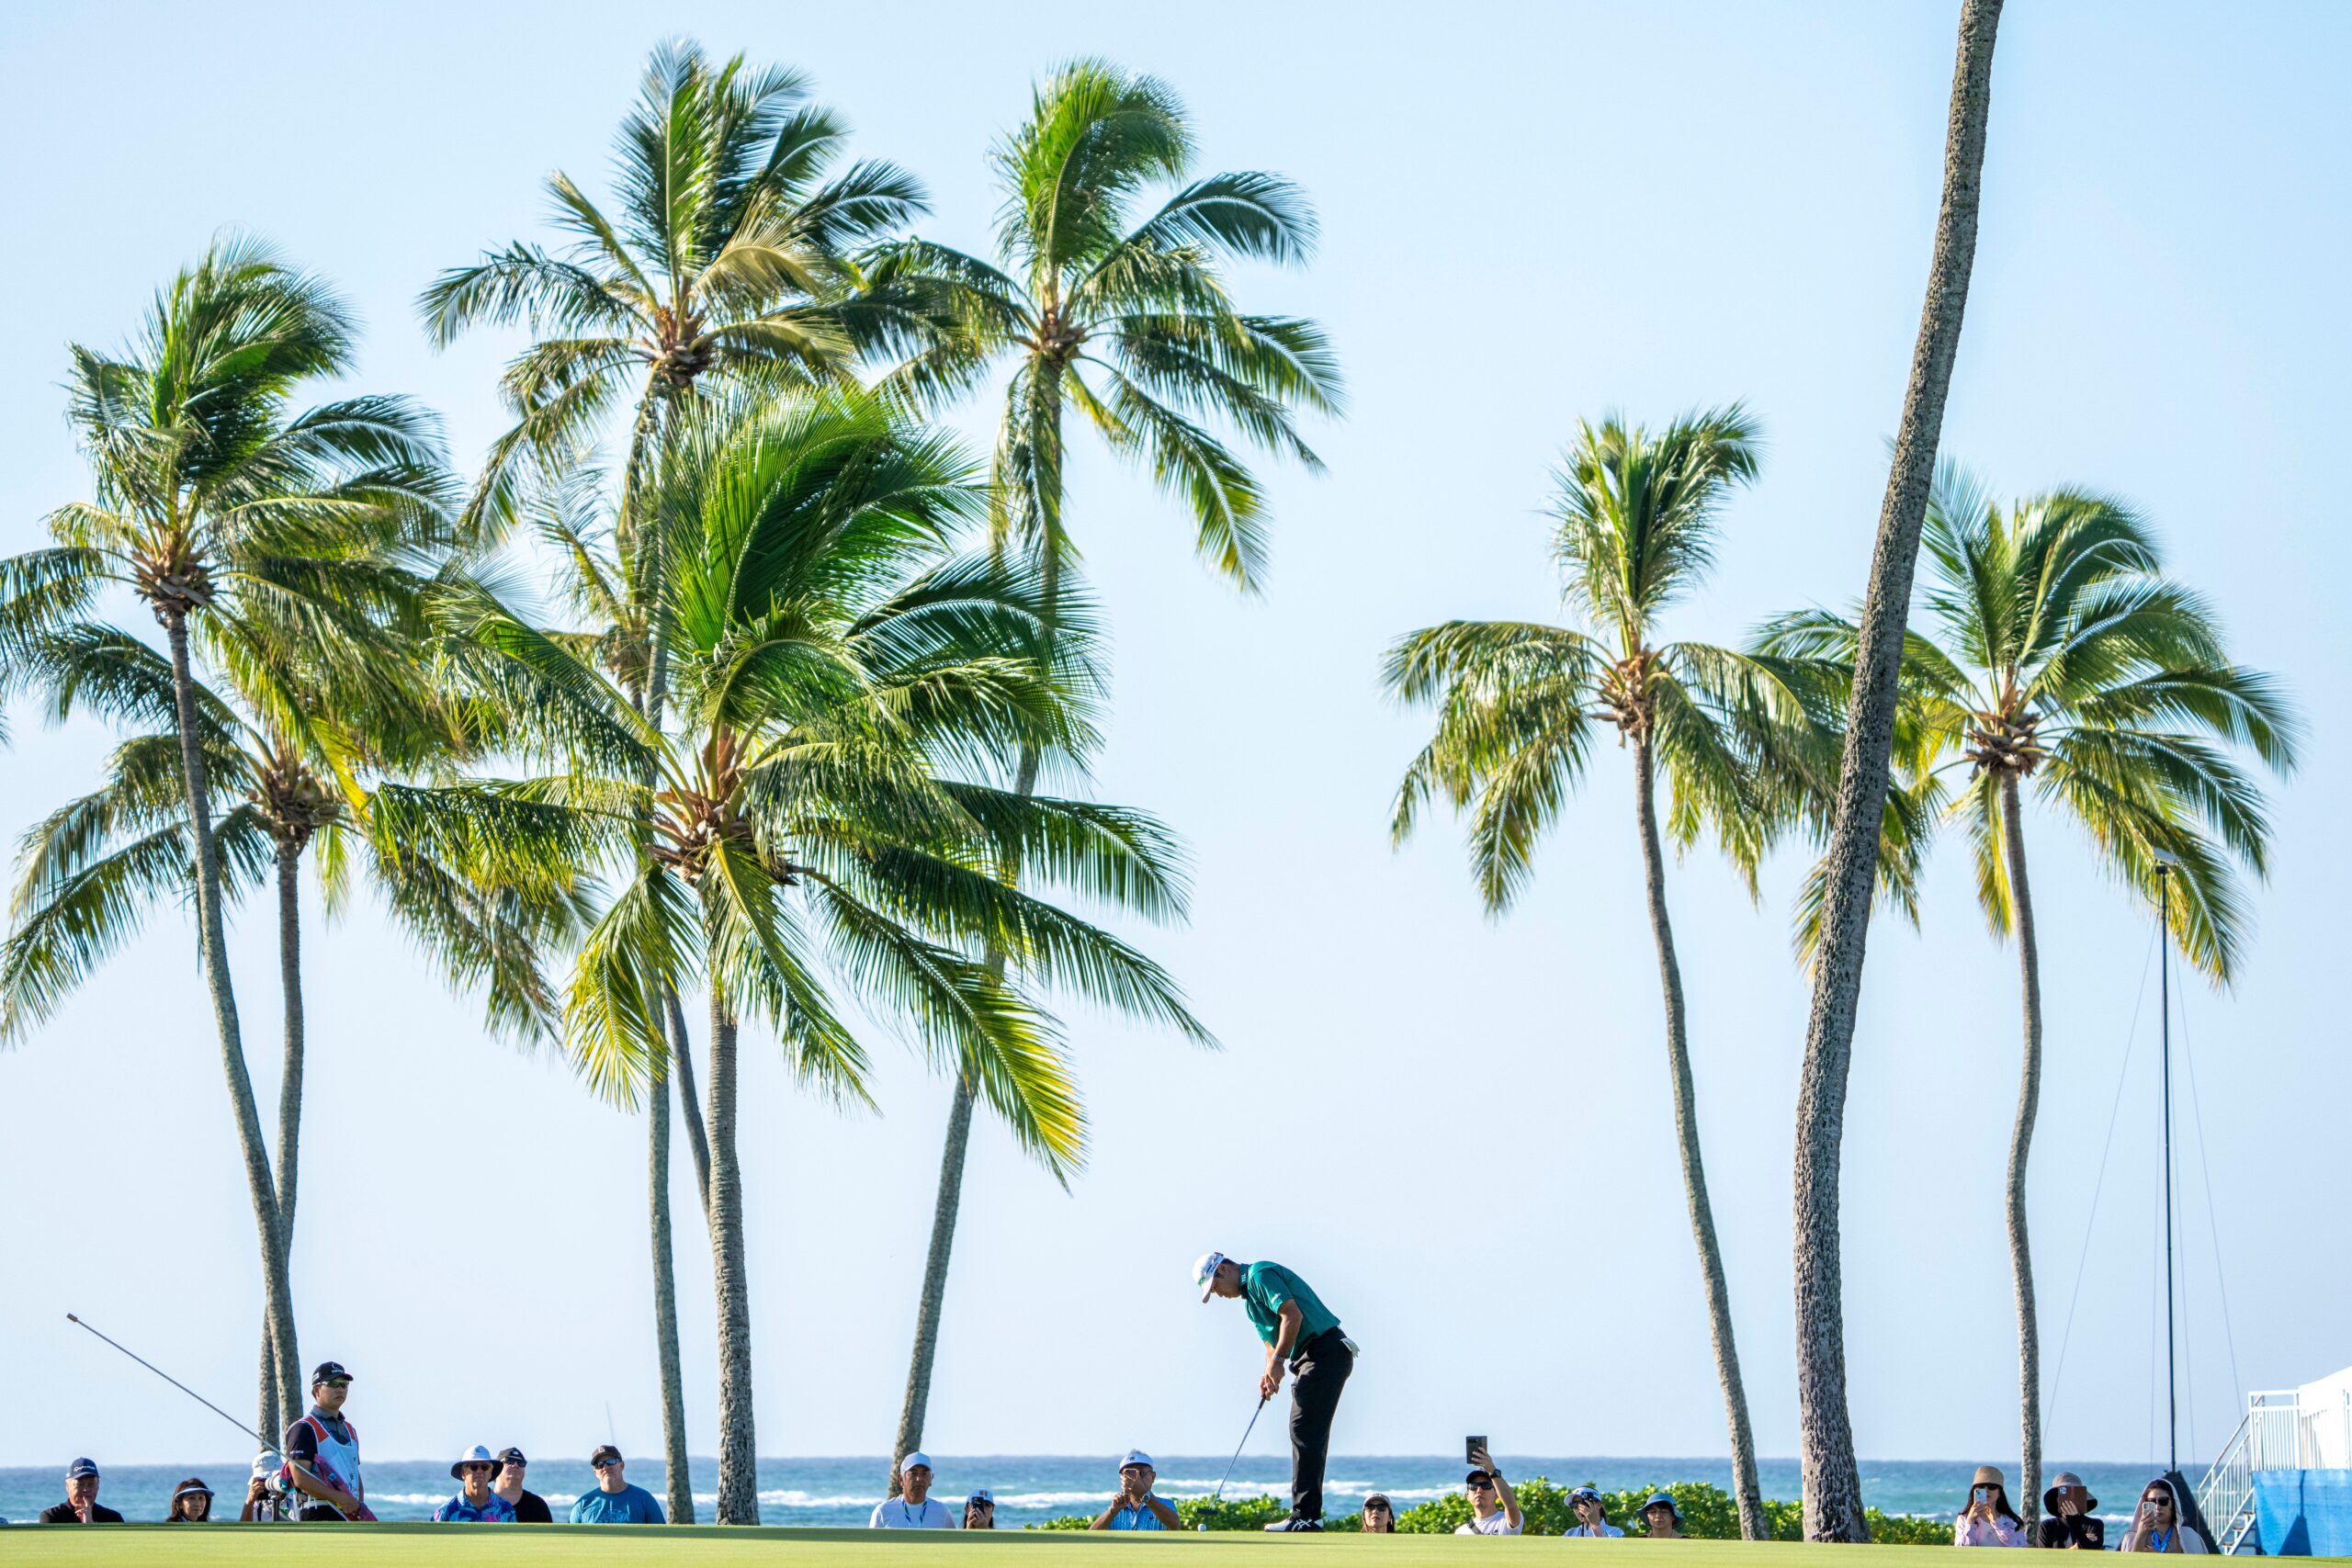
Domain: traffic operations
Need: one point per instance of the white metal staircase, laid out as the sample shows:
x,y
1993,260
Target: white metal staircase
x,y
2282,1430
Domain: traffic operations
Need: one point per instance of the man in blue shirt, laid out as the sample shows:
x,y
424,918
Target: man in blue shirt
x,y
1136,1508
615,1501
1303,1332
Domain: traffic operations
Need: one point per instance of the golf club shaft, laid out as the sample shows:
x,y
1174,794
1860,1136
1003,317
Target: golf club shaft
x,y
176,1382
1239,1445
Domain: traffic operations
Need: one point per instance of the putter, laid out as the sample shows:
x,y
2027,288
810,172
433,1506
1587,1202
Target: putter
x,y
176,1382
1219,1498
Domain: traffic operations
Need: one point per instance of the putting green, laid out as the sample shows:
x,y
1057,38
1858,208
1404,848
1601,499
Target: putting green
x,y
617,1546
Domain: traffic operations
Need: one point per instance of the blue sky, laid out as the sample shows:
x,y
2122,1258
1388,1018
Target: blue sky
x,y
1458,1129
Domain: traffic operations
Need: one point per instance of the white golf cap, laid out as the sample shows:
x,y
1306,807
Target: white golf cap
x,y
1136,1457
1205,1272
913,1460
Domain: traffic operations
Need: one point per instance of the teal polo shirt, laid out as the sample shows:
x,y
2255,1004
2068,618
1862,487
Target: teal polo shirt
x,y
1266,1286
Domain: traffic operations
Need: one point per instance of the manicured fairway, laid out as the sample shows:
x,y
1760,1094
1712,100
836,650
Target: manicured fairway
x,y
460,1546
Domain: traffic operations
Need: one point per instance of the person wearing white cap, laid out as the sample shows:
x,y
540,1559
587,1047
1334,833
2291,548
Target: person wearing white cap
x,y
1136,1508
914,1509
475,1504
1303,1332
980,1510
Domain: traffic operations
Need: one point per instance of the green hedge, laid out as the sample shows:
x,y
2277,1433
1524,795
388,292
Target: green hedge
x,y
1708,1514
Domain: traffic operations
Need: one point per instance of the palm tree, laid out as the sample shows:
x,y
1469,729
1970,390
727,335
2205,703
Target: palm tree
x,y
93,869
1517,707
725,256
1832,1482
1125,319
2060,653
805,827
249,533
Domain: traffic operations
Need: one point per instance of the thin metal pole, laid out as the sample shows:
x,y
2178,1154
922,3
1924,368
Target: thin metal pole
x,y
176,1382
2163,998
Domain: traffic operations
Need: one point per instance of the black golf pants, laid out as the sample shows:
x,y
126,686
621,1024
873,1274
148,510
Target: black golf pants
x,y
1319,1371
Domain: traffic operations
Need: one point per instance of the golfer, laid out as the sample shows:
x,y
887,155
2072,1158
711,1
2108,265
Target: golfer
x,y
1301,1332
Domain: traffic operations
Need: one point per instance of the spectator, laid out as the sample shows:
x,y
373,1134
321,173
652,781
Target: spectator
x,y
530,1508
1493,1509
265,1503
1379,1513
1592,1516
1134,1509
81,1504
980,1510
1661,1520
1988,1520
191,1502
475,1503
322,1451
2157,1525
615,1501
2072,1524
914,1509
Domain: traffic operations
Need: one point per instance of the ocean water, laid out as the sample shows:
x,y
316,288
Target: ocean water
x,y
1030,1487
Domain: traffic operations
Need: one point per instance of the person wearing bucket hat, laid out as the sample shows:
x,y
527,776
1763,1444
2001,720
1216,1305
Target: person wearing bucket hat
x,y
2072,1522
475,1503
1661,1520
1592,1516
914,1509
81,1505
1986,1518
1303,1332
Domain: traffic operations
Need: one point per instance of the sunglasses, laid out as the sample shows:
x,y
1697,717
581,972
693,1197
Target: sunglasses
x,y
481,1469
1481,1485
605,1465
337,1382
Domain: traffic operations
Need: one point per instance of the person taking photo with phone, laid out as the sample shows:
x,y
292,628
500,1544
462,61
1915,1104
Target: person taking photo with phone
x,y
1302,1334
1987,1519
2071,1523
1592,1516
1494,1510
2158,1526
1135,1507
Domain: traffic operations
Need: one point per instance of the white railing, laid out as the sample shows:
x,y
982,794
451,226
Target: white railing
x,y
2226,1495
2280,1432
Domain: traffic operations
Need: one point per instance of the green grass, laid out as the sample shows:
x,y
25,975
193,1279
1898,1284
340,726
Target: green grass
x,y
462,1546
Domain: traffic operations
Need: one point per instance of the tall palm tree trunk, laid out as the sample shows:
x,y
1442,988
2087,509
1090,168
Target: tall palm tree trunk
x,y
1753,1525
1831,1481
738,1479
949,1202
2021,1142
681,1060
282,1406
278,1295
678,1483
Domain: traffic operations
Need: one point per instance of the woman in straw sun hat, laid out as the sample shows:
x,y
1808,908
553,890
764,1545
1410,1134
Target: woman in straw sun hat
x,y
1986,1518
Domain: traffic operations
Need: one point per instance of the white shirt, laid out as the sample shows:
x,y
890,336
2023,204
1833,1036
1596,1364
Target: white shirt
x,y
1496,1523
1594,1531
897,1514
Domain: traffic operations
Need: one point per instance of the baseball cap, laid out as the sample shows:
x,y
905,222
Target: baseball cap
x,y
980,1495
1205,1272
913,1460
1584,1492
79,1468
1136,1457
511,1456
327,1371
605,1453
266,1463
